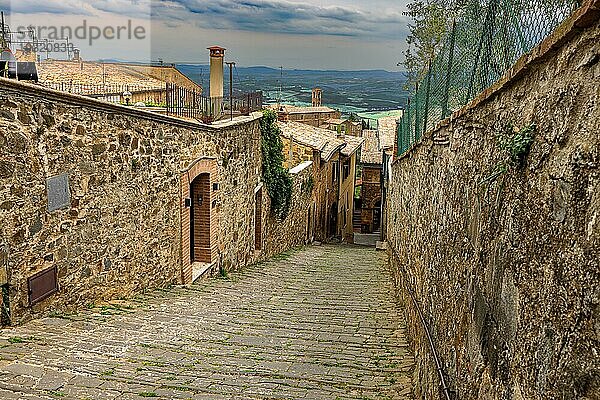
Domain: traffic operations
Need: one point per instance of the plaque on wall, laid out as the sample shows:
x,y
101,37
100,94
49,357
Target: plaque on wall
x,y
59,195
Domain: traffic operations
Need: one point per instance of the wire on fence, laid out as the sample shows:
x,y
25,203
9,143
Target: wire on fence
x,y
486,38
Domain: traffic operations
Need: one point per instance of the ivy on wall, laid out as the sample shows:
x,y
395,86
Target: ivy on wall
x,y
276,178
513,148
514,145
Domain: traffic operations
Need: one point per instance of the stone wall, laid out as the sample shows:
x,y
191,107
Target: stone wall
x,y
277,233
506,272
120,230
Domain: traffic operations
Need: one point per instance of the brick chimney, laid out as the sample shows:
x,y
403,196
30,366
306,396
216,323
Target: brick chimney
x,y
216,71
217,54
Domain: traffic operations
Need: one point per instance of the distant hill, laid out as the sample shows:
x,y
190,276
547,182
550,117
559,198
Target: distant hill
x,y
349,91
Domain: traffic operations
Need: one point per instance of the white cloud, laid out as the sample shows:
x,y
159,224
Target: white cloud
x,y
71,7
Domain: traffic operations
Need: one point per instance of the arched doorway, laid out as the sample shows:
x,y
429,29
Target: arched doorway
x,y
200,246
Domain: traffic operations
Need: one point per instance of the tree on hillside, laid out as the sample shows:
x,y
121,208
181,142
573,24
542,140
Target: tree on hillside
x,y
431,19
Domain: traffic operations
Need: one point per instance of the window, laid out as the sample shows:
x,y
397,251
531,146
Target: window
x,y
346,169
334,172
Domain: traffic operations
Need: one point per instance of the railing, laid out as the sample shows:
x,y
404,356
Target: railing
x,y
177,100
186,103
113,92
485,40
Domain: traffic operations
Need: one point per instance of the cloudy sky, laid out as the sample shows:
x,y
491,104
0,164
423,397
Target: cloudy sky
x,y
319,34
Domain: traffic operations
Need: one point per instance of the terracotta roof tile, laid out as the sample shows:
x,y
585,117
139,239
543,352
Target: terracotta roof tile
x,y
387,131
323,140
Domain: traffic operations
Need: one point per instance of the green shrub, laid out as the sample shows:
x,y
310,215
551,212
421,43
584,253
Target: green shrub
x,y
276,178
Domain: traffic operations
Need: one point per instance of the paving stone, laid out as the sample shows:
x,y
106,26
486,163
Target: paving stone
x,y
319,323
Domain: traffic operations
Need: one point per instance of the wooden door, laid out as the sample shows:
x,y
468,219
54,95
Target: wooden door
x,y
200,221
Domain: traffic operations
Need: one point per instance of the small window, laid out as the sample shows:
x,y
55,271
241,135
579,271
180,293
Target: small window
x,y
346,169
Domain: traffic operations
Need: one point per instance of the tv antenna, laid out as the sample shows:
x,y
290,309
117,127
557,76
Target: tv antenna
x,y
3,44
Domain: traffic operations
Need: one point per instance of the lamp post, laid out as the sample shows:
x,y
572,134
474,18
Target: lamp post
x,y
231,65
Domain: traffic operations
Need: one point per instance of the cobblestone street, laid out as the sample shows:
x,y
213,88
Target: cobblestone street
x,y
317,323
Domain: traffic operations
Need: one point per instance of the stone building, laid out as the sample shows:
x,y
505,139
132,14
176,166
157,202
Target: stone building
x,y
387,133
345,126
334,160
368,205
376,150
100,201
314,116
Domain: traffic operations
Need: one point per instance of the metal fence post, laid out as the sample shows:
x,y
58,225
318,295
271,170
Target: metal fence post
x,y
167,97
409,129
416,137
449,72
427,90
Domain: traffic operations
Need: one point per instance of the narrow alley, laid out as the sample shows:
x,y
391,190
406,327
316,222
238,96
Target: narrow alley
x,y
316,323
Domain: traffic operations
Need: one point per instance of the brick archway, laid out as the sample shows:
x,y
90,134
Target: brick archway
x,y
198,241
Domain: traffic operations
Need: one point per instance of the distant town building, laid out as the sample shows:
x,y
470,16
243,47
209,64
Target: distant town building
x,y
314,116
345,126
334,160
376,151
317,97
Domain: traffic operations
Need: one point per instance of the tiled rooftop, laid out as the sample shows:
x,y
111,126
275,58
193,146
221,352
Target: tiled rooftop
x,y
323,140
370,153
25,56
95,73
305,110
387,131
376,141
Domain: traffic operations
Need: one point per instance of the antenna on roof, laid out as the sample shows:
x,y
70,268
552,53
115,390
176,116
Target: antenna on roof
x,y
231,65
280,88
2,38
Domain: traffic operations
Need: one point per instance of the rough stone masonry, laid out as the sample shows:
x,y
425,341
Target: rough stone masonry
x,y
95,190
507,272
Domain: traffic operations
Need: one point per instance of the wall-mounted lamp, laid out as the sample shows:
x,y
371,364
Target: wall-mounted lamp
x,y
127,96
200,199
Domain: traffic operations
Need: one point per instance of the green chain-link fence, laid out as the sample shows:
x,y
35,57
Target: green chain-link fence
x,y
485,40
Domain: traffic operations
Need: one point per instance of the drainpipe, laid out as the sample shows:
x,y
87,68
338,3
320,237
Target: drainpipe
x,y
339,190
382,217
434,352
